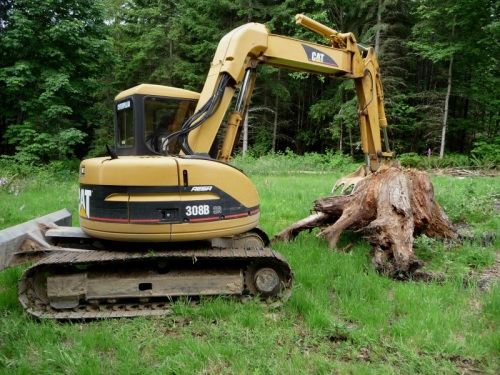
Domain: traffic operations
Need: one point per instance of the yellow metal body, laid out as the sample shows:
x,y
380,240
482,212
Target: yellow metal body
x,y
185,183
159,182
158,90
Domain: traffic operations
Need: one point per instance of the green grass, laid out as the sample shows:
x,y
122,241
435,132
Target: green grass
x,y
23,199
342,317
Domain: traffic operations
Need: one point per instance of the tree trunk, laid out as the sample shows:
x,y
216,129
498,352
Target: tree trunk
x,y
351,146
378,27
446,106
390,208
341,134
447,100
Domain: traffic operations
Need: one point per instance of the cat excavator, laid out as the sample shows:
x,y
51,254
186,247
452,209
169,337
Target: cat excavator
x,y
165,215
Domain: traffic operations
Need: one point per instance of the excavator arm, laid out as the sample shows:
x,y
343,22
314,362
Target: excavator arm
x,y
234,64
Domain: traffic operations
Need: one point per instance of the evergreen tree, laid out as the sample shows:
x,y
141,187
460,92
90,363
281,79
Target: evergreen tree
x,y
453,40
52,55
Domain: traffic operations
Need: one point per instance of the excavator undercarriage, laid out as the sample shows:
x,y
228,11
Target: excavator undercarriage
x,y
78,277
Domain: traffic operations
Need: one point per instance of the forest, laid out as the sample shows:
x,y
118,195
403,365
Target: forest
x,y
63,62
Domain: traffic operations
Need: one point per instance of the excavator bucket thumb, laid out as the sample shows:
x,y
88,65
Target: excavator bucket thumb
x,y
349,183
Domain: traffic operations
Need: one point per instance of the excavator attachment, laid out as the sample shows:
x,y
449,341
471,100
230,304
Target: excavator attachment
x,y
348,184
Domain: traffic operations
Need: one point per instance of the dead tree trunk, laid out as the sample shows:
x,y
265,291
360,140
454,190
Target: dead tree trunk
x,y
390,208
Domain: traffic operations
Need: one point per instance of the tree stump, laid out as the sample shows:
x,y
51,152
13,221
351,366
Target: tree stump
x,y
390,207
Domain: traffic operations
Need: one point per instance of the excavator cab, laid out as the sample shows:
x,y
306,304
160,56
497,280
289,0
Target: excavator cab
x,y
148,191
146,114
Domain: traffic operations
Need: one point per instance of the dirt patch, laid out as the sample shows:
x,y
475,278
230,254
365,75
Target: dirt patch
x,y
489,276
485,280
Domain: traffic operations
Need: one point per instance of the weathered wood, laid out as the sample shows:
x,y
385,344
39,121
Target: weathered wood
x,y
390,207
317,220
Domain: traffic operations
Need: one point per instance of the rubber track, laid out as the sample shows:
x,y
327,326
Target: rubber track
x,y
41,309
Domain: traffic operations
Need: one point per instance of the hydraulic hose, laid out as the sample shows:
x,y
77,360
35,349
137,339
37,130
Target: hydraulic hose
x,y
200,116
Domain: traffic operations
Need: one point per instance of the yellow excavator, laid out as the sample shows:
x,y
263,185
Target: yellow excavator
x,y
165,215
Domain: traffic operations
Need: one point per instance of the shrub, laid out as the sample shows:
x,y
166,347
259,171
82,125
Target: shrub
x,y
273,162
411,160
487,151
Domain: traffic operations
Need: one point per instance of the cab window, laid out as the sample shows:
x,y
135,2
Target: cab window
x,y
125,123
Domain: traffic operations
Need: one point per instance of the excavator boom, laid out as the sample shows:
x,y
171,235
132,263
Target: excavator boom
x,y
244,48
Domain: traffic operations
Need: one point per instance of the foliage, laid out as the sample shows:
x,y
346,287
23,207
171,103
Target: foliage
x,y
488,151
53,55
33,146
426,162
449,35
63,62
6,184
473,202
289,162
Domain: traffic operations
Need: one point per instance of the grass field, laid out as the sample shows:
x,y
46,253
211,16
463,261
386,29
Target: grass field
x,y
342,317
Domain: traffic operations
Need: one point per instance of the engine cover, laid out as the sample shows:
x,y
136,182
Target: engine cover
x,y
165,198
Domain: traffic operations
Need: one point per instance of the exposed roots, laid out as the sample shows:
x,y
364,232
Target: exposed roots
x,y
390,207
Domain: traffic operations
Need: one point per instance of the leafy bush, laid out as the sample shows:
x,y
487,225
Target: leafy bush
x,y
60,169
336,161
288,161
411,160
34,146
488,151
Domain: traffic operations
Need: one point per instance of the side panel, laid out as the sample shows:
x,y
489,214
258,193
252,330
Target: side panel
x,y
104,203
165,199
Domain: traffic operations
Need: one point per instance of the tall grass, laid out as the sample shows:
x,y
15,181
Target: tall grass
x,y
342,317
26,196
288,162
426,162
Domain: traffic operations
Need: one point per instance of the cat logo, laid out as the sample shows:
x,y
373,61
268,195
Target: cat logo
x,y
317,56
84,207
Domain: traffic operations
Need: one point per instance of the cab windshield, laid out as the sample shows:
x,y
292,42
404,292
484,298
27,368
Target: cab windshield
x,y
162,117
